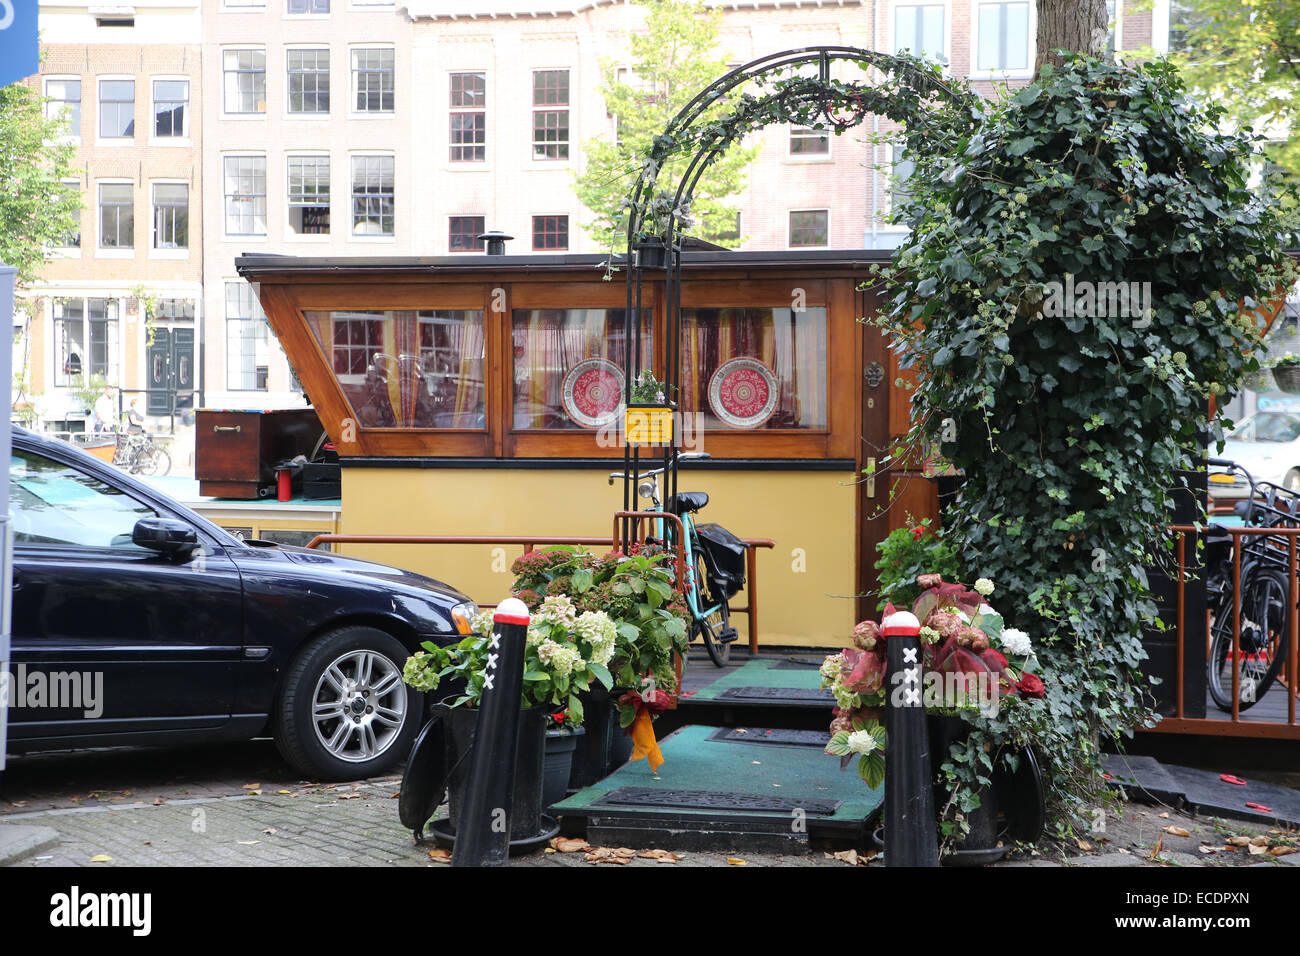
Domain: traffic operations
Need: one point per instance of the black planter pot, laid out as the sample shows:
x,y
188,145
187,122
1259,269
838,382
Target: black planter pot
x,y
652,253
603,748
526,822
557,767
981,843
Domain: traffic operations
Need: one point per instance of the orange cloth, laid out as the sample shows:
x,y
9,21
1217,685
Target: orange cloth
x,y
643,740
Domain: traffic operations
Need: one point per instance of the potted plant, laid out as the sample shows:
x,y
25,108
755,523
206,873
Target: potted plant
x,y
660,215
566,653
638,593
1286,373
972,667
562,738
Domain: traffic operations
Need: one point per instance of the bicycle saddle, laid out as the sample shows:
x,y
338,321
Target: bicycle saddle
x,y
691,501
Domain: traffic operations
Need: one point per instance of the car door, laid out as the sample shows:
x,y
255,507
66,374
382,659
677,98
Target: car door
x,y
110,638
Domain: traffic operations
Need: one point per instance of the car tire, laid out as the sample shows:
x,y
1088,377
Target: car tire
x,y
344,712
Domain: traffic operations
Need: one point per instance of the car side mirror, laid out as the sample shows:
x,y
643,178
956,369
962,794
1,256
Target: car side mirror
x,y
165,535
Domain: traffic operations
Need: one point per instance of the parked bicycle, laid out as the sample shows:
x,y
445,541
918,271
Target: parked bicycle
x,y
714,560
139,454
1265,588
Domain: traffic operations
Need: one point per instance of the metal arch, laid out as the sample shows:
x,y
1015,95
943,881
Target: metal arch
x,y
705,153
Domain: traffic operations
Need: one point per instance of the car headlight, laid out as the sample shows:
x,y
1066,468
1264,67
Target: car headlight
x,y
463,614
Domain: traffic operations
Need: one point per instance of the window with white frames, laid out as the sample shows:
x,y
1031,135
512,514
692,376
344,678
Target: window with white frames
x,y
1003,30
309,80
372,80
116,216
806,141
85,340
72,240
245,182
247,340
809,228
309,195
303,7
468,133
918,29
900,171
65,100
244,73
116,109
372,196
551,114
171,216
171,108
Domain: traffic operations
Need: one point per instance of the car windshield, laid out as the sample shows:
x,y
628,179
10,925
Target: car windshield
x,y
1269,426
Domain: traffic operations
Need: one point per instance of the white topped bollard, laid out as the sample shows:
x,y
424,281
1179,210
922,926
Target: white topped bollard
x,y
483,833
910,838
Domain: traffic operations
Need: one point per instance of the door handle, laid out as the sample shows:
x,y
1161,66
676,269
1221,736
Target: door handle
x,y
871,477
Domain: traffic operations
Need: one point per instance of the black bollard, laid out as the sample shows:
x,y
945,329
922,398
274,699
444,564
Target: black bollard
x,y
909,800
483,831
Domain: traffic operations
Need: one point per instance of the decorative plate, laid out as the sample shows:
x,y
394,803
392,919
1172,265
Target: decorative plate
x,y
593,392
743,393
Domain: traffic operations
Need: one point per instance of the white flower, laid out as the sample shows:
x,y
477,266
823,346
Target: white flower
x,y
1015,641
596,628
984,586
482,623
830,668
557,609
861,742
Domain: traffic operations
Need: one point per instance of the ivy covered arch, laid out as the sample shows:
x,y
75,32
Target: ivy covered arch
x,y
907,90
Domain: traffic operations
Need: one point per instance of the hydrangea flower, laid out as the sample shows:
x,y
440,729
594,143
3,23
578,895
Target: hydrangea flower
x,y
984,587
557,609
418,673
596,628
1015,641
861,742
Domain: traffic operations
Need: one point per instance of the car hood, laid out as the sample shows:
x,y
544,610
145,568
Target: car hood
x,y
361,571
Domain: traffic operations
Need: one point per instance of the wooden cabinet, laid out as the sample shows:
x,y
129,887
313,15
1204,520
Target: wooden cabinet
x,y
235,452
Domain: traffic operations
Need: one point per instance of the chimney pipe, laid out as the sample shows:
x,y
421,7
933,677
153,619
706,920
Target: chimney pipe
x,y
496,242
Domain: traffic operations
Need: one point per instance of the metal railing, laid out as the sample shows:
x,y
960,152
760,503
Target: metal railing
x,y
1232,724
530,542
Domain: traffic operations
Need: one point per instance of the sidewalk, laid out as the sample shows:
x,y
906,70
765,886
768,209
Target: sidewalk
x,y
357,825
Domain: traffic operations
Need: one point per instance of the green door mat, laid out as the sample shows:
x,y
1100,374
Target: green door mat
x,y
716,788
759,682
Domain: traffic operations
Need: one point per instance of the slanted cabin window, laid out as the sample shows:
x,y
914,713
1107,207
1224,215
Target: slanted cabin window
x,y
755,368
407,368
569,366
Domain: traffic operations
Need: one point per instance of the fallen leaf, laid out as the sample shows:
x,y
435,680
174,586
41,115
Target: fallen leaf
x,y
286,791
1208,849
1177,831
254,793
440,856
157,801
1122,850
1282,851
1238,841
101,858
570,845
625,852
549,849
1163,816
348,796
393,797
736,861
1155,850
1257,850
848,856
1082,844
252,786
1260,840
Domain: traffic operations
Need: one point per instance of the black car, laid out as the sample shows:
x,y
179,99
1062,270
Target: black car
x,y
135,621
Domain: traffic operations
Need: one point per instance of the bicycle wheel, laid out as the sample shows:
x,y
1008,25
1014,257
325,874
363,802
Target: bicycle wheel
x,y
712,628
1265,630
152,461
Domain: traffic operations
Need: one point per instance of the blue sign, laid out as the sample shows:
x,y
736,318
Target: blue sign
x,y
19,46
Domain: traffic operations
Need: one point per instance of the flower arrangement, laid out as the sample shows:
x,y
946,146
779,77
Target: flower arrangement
x,y
907,553
1285,360
970,660
647,389
567,650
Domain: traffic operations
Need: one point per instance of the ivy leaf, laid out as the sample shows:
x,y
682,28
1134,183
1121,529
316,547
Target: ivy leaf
x,y
1021,146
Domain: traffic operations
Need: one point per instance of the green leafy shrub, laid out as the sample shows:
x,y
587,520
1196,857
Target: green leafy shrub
x,y
907,553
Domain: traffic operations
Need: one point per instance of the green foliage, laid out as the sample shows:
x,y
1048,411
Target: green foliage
x,y
1070,428
905,554
676,58
36,208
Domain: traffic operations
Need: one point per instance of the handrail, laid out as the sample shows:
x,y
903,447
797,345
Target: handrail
x,y
529,542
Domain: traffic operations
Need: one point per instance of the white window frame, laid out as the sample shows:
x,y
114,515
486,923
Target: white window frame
x,y
221,64
477,164
317,115
113,252
353,76
886,179
100,138
794,157
352,234
309,15
259,315
169,252
791,212
113,358
73,252
1032,43
947,26
289,232
81,103
225,194
184,138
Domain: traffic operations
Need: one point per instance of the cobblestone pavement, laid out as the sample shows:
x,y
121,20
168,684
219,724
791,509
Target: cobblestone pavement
x,y
239,805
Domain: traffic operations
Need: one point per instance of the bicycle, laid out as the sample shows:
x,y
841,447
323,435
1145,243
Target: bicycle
x,y
707,583
139,454
1265,605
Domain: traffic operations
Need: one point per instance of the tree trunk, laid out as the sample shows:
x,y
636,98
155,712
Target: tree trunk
x,y
1077,25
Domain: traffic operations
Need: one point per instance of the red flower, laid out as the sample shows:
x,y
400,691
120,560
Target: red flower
x,y
917,532
1031,685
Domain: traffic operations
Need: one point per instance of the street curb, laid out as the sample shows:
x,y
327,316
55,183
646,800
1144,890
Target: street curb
x,y
18,842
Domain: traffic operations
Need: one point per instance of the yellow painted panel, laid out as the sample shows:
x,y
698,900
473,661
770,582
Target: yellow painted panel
x,y
805,584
